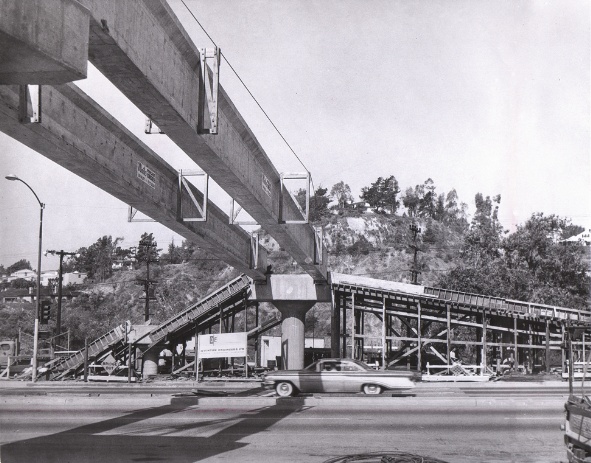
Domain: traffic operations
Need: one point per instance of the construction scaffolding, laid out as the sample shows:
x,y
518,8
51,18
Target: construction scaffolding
x,y
416,326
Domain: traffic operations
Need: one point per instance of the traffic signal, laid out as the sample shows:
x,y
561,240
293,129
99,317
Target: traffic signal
x,y
45,312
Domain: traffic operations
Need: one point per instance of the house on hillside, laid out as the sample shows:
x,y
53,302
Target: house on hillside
x,y
582,239
361,206
123,264
25,274
47,275
73,278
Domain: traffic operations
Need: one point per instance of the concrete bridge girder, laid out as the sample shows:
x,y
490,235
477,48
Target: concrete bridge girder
x,y
43,42
142,48
74,133
146,53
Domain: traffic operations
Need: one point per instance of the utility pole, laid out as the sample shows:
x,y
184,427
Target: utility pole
x,y
147,282
61,254
414,273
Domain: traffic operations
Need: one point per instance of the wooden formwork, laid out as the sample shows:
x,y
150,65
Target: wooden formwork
x,y
429,325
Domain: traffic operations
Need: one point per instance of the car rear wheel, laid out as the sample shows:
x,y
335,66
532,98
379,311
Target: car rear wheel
x,y
372,389
284,389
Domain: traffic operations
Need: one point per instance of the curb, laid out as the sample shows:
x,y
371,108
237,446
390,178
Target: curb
x,y
149,400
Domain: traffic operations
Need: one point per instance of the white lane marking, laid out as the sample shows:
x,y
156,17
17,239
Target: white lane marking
x,y
531,418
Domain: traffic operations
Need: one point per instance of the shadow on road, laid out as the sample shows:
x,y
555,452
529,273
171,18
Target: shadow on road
x,y
148,436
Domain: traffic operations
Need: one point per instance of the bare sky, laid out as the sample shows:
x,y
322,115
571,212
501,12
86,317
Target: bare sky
x,y
480,96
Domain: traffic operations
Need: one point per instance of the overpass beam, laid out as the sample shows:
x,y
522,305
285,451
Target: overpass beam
x,y
79,135
43,42
142,48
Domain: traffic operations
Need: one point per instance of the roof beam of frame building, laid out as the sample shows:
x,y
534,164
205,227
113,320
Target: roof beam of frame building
x,y
142,48
76,133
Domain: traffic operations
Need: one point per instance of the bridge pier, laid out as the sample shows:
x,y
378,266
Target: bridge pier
x,y
293,332
293,295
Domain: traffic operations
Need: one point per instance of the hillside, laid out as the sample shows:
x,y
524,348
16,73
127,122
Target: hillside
x,y
526,265
379,246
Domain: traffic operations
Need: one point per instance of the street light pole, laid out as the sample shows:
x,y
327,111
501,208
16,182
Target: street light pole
x,y
38,314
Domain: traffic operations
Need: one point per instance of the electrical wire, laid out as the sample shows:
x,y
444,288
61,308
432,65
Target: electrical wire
x,y
250,93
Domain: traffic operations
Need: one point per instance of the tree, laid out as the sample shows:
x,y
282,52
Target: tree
x,y
173,256
97,259
147,249
427,202
455,212
556,274
527,265
22,264
382,195
411,200
439,214
341,193
390,193
318,203
186,250
483,240
481,269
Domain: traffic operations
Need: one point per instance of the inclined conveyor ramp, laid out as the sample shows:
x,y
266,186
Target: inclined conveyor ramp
x,y
185,321
60,368
504,306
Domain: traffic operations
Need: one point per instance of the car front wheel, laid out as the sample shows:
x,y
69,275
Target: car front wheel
x,y
372,389
284,389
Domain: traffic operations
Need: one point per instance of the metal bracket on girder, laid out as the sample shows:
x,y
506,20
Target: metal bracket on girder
x,y
202,208
34,93
254,250
235,209
318,242
306,211
131,216
151,128
211,55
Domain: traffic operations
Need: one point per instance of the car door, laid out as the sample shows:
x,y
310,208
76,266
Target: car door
x,y
310,379
331,376
353,376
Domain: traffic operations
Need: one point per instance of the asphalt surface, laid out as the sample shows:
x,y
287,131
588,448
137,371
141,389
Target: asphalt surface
x,y
253,389
459,423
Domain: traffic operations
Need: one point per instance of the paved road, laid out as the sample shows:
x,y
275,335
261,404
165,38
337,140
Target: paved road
x,y
457,428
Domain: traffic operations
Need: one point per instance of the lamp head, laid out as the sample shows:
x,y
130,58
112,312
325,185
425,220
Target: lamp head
x,y
12,177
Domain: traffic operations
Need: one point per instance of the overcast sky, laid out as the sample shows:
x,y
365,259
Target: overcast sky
x,y
481,96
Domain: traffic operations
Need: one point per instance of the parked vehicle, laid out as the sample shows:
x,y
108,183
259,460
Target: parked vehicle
x,y
337,375
577,426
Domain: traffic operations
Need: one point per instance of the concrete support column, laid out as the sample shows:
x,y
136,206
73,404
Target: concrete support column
x,y
150,363
293,332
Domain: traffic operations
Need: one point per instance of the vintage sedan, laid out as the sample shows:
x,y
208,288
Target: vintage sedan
x,y
337,375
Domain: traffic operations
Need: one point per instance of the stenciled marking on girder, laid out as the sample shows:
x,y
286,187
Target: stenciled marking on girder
x,y
146,175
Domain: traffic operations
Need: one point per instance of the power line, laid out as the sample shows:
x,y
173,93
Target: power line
x,y
249,92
